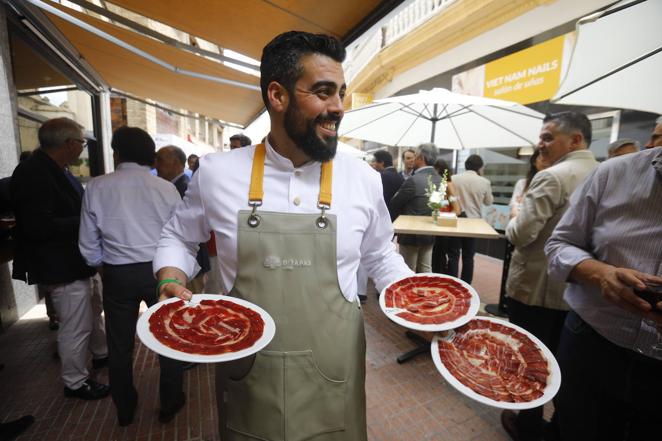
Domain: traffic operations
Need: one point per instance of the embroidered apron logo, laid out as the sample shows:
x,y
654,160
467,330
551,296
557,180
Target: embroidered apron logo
x,y
275,262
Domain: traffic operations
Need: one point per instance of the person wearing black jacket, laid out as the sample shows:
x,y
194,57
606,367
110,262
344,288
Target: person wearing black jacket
x,y
47,207
170,166
391,179
411,199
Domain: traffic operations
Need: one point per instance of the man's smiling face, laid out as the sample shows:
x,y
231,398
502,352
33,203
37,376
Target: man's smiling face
x,y
315,108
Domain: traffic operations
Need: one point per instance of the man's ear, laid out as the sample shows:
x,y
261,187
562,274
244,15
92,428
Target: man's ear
x,y
277,96
577,139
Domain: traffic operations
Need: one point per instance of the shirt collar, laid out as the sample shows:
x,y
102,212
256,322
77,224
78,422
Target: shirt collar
x,y
285,164
132,166
178,176
657,161
422,168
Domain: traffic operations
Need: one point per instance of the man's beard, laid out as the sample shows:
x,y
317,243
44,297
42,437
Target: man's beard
x,y
306,138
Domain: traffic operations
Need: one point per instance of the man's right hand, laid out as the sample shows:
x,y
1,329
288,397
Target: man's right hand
x,y
173,289
618,284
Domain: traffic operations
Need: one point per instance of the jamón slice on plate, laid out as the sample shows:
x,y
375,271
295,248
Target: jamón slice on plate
x,y
429,302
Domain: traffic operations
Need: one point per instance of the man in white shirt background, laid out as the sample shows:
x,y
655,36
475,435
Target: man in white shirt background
x,y
122,217
473,191
292,246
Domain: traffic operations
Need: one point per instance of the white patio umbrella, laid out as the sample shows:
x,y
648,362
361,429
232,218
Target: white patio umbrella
x,y
617,59
450,120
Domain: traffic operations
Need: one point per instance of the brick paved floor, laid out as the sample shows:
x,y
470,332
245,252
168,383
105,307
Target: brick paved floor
x,y
408,402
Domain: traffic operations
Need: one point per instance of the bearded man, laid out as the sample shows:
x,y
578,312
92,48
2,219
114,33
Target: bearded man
x,y
292,198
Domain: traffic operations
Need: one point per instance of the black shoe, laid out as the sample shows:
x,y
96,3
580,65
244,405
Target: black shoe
x,y
126,413
508,421
90,390
12,429
167,416
100,363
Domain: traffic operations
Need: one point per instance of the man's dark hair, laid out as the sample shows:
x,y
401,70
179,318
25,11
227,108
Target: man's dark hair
x,y
133,144
192,155
243,139
569,122
474,162
383,157
428,152
281,58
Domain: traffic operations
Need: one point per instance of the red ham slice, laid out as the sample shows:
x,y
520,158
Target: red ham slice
x,y
496,361
213,327
428,300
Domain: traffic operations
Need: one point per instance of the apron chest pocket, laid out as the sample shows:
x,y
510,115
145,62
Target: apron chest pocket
x,y
286,396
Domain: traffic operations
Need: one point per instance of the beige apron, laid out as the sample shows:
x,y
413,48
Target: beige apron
x,y
309,382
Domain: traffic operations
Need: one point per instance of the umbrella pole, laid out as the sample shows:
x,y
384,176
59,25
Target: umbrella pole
x,y
434,123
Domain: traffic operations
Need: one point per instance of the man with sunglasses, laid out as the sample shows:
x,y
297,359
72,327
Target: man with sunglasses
x,y
47,203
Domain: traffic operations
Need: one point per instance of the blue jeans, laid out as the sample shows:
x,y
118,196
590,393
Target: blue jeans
x,y
607,392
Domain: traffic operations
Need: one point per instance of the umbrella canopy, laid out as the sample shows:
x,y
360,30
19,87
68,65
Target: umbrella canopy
x,y
450,120
617,59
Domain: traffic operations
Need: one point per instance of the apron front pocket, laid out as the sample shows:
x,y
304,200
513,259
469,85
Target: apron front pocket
x,y
314,402
286,396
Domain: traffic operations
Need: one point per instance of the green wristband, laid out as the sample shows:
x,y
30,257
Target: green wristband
x,y
163,282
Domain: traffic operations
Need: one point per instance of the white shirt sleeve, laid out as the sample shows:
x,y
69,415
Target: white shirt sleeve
x,y
382,263
89,235
183,233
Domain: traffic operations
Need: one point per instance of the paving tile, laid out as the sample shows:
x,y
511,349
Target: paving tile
x,y
408,402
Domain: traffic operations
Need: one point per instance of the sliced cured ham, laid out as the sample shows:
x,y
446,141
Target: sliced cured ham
x,y
429,300
210,328
496,361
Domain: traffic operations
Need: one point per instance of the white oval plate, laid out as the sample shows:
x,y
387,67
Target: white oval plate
x,y
553,381
155,345
391,313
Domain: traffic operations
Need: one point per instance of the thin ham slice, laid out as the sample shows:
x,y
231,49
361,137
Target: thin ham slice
x,y
213,327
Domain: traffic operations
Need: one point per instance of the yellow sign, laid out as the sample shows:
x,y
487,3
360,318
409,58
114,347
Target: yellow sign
x,y
361,99
526,76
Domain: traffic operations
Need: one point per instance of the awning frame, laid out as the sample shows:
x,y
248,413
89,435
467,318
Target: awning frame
x,y
136,51
144,30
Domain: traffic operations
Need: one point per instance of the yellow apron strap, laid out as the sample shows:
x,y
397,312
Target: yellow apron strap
x,y
324,198
256,191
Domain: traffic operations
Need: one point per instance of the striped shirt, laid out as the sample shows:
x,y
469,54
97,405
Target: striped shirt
x,y
615,216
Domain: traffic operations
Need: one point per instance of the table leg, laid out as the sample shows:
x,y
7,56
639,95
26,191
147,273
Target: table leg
x,y
423,347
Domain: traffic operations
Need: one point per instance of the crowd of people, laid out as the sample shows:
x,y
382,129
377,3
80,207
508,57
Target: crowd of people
x,y
586,236
547,272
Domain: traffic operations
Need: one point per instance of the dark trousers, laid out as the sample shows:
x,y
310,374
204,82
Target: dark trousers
x,y
124,287
440,257
546,324
607,392
468,247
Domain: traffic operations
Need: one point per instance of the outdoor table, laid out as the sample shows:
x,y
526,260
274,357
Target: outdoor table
x,y
476,228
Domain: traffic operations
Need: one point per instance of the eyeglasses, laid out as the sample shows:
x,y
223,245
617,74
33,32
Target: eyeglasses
x,y
82,141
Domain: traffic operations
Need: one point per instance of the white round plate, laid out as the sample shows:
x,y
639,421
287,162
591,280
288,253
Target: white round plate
x,y
152,343
553,381
391,313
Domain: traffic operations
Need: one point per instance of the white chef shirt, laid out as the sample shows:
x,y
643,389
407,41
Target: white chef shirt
x,y
219,190
122,215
